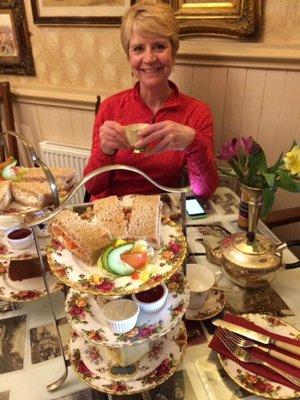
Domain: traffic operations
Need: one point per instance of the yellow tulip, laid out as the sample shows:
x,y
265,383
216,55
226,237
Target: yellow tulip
x,y
292,160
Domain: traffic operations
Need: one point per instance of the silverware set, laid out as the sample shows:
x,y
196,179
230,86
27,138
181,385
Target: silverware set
x,y
236,345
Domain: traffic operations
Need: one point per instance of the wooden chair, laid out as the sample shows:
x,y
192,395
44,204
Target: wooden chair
x,y
11,141
87,195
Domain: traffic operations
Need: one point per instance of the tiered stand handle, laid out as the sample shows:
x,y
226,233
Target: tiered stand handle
x,y
60,206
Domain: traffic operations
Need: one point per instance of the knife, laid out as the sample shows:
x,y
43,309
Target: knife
x,y
259,337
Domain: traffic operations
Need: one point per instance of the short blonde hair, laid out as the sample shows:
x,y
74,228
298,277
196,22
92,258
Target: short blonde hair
x,y
150,18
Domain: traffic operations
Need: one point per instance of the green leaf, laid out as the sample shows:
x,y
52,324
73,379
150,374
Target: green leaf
x,y
275,167
270,179
268,200
287,182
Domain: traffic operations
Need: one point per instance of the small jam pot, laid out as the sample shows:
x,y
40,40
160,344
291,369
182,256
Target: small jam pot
x,y
20,238
152,300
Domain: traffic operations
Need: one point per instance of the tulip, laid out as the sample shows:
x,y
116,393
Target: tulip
x,y
247,144
229,150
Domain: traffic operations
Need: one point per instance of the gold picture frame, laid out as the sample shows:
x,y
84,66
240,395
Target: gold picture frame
x,y
232,18
15,48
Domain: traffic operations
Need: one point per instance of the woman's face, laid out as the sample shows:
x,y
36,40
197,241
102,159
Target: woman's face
x,y
151,59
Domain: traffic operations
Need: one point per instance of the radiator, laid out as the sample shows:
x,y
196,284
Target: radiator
x,y
62,155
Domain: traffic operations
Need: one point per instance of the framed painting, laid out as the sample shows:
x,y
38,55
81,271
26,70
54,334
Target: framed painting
x,y
15,49
79,12
232,18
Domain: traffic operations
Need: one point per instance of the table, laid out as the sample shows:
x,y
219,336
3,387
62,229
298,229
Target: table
x,y
199,371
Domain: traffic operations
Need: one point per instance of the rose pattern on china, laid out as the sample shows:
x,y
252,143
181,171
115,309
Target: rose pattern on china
x,y
118,387
256,383
78,307
140,332
25,295
176,310
97,335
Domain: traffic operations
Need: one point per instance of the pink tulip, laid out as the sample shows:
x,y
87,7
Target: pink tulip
x,y
229,150
246,144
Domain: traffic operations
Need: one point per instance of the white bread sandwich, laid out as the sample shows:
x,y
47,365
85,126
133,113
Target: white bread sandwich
x,y
85,239
32,194
145,219
5,194
110,215
64,177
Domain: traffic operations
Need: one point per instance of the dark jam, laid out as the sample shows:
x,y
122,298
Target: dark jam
x,y
18,234
151,295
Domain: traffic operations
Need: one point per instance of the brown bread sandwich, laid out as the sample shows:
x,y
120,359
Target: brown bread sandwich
x,y
109,214
5,195
32,194
64,177
85,239
145,219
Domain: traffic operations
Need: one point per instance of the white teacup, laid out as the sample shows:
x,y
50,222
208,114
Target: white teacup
x,y
201,279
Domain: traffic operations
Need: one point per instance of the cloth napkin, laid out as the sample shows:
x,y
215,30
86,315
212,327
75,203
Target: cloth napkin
x,y
218,346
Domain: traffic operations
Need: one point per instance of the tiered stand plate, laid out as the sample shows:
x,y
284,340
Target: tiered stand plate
x,y
96,280
85,316
177,342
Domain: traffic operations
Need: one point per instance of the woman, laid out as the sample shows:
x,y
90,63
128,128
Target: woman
x,y
181,129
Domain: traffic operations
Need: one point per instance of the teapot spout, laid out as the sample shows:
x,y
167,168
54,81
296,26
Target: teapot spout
x,y
213,255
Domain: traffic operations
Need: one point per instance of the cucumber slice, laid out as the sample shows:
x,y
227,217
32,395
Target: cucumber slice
x,y
114,262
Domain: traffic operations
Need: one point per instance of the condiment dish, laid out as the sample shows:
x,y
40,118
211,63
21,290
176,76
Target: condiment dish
x,y
19,238
152,300
121,314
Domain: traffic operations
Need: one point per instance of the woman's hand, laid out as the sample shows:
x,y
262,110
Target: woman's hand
x,y
166,135
112,137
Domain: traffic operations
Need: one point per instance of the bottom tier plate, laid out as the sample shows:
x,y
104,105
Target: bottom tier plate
x,y
176,344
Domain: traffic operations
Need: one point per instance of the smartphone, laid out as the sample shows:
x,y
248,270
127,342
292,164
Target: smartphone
x,y
194,208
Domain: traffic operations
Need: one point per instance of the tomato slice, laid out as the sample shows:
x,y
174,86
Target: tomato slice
x,y
135,260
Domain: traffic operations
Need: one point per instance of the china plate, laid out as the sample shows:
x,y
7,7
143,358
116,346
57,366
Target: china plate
x,y
177,344
214,304
27,289
9,253
257,384
99,361
84,314
165,262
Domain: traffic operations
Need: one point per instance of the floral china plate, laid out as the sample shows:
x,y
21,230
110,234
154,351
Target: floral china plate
x,y
257,384
9,253
27,289
214,304
93,279
99,361
177,342
84,314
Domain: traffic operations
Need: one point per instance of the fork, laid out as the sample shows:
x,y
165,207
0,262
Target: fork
x,y
244,356
241,342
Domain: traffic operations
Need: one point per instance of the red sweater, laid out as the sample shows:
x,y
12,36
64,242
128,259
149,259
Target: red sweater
x,y
126,108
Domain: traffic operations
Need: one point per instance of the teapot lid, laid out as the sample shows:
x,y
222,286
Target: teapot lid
x,y
250,243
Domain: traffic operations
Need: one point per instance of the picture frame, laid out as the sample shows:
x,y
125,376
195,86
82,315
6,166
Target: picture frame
x,y
15,48
76,12
232,18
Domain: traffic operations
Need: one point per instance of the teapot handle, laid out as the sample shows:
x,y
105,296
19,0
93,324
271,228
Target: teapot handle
x,y
293,243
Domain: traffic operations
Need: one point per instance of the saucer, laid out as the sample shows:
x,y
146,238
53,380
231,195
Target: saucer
x,y
213,305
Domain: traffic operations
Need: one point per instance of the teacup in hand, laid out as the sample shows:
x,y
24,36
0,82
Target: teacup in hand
x,y
201,279
132,135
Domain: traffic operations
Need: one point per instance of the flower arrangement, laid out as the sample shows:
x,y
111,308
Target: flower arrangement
x,y
248,160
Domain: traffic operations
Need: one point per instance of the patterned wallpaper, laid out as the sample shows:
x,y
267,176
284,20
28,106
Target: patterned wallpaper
x,y
92,58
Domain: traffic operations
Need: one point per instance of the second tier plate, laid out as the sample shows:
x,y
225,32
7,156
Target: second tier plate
x,y
85,316
9,253
91,279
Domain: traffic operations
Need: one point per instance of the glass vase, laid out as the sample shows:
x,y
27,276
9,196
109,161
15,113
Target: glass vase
x,y
251,200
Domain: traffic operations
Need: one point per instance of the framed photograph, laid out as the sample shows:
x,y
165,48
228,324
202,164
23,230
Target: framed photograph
x,y
232,18
79,12
15,49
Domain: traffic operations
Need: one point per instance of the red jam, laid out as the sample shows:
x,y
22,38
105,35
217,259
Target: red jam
x,y
151,295
18,234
